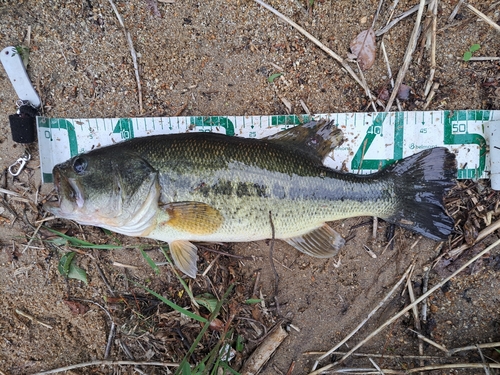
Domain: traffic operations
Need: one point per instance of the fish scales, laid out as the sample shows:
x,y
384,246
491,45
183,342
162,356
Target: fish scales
x,y
245,179
209,187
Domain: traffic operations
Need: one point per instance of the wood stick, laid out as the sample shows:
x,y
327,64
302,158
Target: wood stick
x,y
402,16
408,55
262,354
483,16
432,72
132,52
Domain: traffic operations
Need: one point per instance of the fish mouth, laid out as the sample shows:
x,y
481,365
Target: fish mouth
x,y
69,195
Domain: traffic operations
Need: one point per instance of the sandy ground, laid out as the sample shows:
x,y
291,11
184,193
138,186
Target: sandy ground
x,y
214,58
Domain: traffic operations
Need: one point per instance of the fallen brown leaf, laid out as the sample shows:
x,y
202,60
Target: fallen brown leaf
x,y
363,49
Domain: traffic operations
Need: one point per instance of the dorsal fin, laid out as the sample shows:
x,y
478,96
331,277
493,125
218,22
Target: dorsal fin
x,y
316,138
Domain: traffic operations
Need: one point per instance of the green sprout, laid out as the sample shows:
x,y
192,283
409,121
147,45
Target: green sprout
x,y
272,77
472,49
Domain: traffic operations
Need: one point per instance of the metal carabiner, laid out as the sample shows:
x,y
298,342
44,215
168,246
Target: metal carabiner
x,y
16,168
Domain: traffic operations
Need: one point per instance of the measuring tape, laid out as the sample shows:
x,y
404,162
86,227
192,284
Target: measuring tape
x,y
372,140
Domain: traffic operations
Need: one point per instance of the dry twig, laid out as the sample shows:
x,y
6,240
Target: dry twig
x,y
455,11
402,16
107,363
434,8
262,354
483,16
132,52
408,55
33,319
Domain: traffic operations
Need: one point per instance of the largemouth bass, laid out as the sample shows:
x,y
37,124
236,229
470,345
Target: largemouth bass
x,y
190,187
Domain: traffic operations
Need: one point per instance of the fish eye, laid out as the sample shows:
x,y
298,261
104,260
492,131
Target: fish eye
x,y
79,165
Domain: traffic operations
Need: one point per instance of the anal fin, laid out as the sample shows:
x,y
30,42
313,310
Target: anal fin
x,y
185,257
322,242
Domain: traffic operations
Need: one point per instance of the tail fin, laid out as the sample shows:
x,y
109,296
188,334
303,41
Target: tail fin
x,y
421,181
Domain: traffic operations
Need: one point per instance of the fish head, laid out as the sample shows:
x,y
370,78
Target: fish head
x,y
105,187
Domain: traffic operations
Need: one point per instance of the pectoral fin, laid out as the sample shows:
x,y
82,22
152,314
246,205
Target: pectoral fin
x,y
322,242
185,257
193,217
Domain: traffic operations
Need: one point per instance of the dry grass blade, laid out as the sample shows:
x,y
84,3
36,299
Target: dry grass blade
x,y
106,363
408,55
455,11
429,341
132,53
389,71
472,347
453,366
484,58
33,319
367,371
402,16
416,318
434,88
365,85
483,16
409,307
486,366
8,192
434,7
385,355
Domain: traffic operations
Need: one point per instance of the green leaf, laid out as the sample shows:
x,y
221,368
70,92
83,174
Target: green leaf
x,y
272,77
77,273
253,301
150,261
24,52
186,369
65,263
467,55
81,243
207,300
205,328
475,47
67,268
239,343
